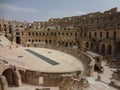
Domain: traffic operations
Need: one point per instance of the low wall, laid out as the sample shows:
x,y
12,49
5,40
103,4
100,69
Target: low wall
x,y
88,61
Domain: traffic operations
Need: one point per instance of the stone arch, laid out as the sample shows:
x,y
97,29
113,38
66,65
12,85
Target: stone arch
x,y
109,50
46,41
39,40
95,34
32,40
22,73
5,27
76,34
90,34
70,44
40,33
58,42
21,26
84,34
11,76
91,45
49,41
114,34
97,68
18,40
101,34
10,28
58,33
103,49
74,43
43,34
52,33
55,33
118,24
29,33
36,33
81,33
118,47
107,35
33,33
66,44
63,43
87,44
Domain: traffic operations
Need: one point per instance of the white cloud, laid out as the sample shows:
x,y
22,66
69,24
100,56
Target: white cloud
x,y
16,8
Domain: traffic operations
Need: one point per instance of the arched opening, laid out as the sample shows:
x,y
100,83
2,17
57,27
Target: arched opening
x,y
43,34
103,49
95,34
46,41
49,41
81,33
76,35
84,34
10,29
62,43
90,34
118,48
36,34
114,34
5,27
33,33
18,41
22,73
101,34
58,42
66,44
107,35
91,45
97,48
97,68
11,76
87,45
70,44
29,33
109,50
118,24
17,33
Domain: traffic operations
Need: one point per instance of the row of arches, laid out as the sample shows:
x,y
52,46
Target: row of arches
x,y
6,28
13,78
51,33
48,41
99,34
103,49
108,51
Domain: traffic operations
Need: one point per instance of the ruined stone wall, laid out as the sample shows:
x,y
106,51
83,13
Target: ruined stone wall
x,y
50,79
103,41
57,37
97,31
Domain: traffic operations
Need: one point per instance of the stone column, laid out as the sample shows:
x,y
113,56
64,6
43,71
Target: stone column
x,y
90,70
3,83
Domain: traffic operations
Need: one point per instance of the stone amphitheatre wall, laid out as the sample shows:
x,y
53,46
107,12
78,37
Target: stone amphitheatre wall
x,y
88,61
98,31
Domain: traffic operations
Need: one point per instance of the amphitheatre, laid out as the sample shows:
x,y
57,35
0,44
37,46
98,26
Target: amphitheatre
x,y
69,53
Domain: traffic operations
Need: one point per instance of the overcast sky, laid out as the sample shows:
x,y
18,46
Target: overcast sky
x,y
40,10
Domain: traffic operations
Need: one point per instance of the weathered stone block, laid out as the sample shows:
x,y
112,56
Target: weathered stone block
x,y
3,83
